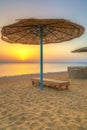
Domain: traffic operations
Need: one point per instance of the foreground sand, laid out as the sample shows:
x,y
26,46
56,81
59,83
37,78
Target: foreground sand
x,y
25,107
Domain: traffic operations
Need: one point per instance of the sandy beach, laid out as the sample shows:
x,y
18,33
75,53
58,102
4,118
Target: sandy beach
x,y
26,107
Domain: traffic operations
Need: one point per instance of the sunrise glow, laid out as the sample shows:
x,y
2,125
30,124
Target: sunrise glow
x,y
25,53
22,54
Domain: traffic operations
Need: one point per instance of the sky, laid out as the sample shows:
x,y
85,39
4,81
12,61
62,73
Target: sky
x,y
73,10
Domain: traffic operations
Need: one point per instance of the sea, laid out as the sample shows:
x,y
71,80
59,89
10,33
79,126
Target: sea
x,y
13,69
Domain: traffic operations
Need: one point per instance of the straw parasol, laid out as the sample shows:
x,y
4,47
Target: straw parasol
x,y
41,31
84,49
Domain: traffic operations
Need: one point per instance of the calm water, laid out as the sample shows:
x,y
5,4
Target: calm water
x,y
27,68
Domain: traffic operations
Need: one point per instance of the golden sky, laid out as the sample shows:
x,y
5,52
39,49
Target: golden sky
x,y
57,52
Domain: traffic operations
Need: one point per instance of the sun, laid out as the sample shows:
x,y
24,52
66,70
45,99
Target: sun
x,y
25,53
23,59
22,54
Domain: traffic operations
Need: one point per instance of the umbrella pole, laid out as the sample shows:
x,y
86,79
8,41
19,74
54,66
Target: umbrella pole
x,y
41,57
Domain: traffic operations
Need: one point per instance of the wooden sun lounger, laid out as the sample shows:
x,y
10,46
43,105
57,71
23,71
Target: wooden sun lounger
x,y
58,84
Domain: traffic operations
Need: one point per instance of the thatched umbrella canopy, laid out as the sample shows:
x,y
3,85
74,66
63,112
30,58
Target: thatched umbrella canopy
x,y
34,31
84,49
27,31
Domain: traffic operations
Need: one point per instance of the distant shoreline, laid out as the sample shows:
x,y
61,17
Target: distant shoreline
x,y
35,74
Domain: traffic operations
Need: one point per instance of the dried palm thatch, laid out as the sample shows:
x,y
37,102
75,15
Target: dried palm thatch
x,y
27,31
84,49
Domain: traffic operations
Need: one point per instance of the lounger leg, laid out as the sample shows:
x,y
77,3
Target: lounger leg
x,y
67,87
33,82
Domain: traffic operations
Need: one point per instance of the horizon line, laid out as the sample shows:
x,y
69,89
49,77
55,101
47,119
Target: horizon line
x,y
47,62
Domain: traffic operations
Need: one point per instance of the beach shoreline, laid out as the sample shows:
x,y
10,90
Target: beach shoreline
x,y
34,74
26,107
